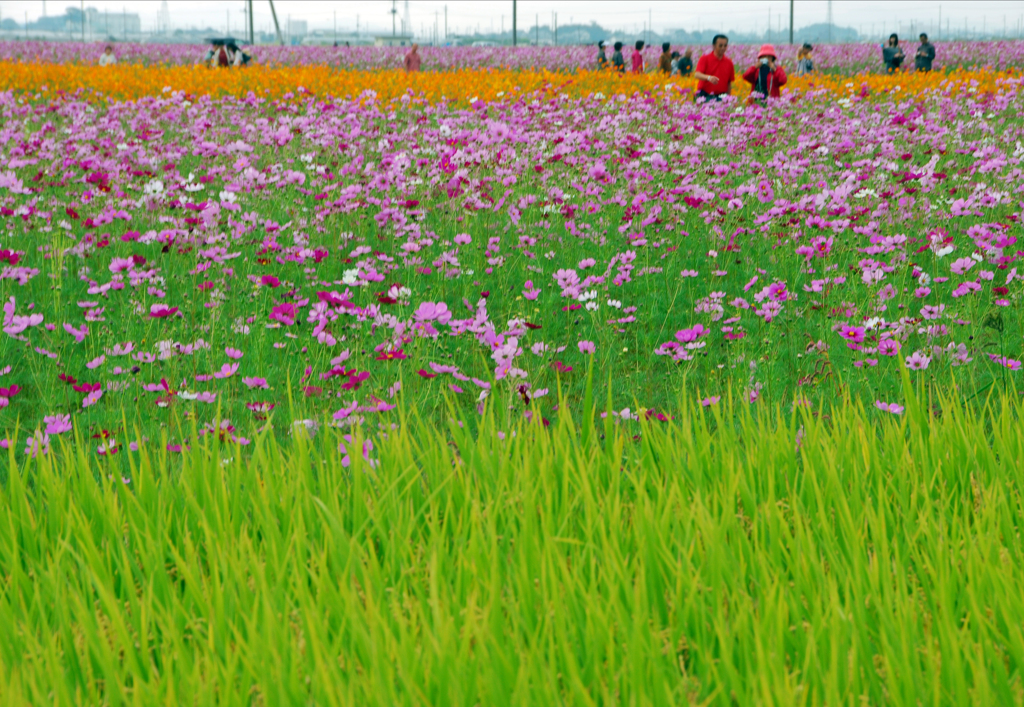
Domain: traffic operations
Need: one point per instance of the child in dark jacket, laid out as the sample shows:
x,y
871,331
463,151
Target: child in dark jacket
x,y
618,61
766,77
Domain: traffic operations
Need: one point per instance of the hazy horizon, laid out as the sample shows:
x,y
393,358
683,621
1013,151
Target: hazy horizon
x,y
374,16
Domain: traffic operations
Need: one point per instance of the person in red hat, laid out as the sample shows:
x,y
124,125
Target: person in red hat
x,y
766,77
715,71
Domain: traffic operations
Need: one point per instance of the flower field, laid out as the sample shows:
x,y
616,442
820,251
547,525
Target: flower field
x,y
338,257
830,58
320,347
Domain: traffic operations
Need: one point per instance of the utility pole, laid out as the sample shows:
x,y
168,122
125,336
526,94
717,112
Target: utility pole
x,y
829,21
252,27
513,21
790,22
394,14
83,21
335,27
277,25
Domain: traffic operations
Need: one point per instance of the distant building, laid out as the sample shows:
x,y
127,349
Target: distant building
x,y
111,24
297,29
393,40
98,23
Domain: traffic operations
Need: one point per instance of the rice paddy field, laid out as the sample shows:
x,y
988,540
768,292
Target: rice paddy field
x,y
495,385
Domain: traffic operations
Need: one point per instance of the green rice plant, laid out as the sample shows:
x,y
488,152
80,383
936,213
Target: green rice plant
x,y
733,555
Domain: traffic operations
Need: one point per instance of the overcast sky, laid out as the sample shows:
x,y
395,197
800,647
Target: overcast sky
x,y
374,15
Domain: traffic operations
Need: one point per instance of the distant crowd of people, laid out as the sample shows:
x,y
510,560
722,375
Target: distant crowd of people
x,y
225,53
715,72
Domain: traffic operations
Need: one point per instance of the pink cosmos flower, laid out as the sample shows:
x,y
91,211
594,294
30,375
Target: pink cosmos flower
x,y
251,382
270,281
284,313
962,265
37,444
692,334
888,347
587,347
918,361
92,398
96,362
206,397
233,353
425,374
463,239
344,447
852,333
932,311
1010,363
334,299
356,380
391,355
160,311
712,400
226,371
345,411
57,424
80,333
433,311
894,408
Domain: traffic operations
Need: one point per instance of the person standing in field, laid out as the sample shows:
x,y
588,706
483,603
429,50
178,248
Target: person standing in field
x,y
638,58
618,61
684,66
892,55
925,54
107,58
715,71
804,64
602,60
665,60
766,77
413,59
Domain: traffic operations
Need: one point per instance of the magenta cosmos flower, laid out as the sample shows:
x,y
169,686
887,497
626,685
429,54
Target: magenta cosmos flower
x,y
160,311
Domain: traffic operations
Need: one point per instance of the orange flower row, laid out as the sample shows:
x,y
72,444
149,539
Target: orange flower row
x,y
129,82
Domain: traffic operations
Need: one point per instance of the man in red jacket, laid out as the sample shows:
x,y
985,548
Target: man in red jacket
x,y
766,77
715,72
